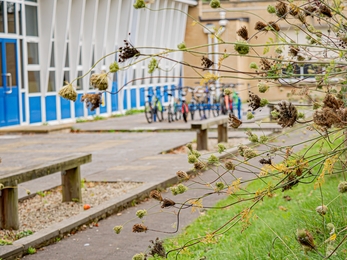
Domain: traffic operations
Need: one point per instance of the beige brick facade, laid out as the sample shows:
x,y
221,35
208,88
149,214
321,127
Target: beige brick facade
x,y
238,14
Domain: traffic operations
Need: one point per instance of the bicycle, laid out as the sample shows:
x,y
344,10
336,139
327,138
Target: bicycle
x,y
184,109
208,101
153,108
172,109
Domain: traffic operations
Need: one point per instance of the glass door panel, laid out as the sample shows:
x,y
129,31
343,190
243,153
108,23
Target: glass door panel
x,y
9,100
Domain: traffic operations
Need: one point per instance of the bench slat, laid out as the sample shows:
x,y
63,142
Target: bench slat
x,y
205,124
37,171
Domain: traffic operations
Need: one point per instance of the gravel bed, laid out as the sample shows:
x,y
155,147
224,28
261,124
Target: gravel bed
x,y
212,146
46,208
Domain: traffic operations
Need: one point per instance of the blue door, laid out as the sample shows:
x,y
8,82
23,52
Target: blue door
x,y
9,101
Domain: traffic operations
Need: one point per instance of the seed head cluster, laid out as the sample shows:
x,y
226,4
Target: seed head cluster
x,y
127,52
287,114
92,101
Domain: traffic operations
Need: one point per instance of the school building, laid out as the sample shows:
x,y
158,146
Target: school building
x,y
44,43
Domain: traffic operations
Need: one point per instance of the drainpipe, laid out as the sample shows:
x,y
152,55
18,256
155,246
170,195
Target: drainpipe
x,y
208,30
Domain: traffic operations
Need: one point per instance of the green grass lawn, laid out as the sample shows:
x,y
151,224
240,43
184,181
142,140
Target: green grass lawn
x,y
269,230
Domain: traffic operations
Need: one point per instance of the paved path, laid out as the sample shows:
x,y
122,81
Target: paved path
x,y
117,156
103,243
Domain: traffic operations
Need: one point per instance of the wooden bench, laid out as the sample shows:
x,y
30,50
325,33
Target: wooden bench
x,y
203,126
69,167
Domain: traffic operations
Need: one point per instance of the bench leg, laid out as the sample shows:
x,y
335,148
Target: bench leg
x,y
201,140
71,183
222,133
9,209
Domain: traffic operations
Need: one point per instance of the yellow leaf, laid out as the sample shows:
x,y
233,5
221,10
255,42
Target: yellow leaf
x,y
332,237
282,208
194,23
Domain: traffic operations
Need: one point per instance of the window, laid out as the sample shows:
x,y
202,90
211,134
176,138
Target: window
x,y
31,20
80,57
66,78
67,64
51,81
33,53
52,62
11,17
34,81
2,27
79,83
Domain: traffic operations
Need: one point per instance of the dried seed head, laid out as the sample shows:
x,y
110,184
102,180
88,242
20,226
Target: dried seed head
x,y
326,117
68,92
309,10
167,203
262,87
182,175
114,67
215,3
288,114
243,33
181,46
229,165
266,65
293,9
157,248
241,47
271,9
293,51
241,148
342,187
178,189
219,186
92,101
139,4
206,62
249,153
322,209
199,166
141,213
221,148
254,101
99,81
305,238
332,102
156,195
274,26
281,10
227,91
118,229
250,115
259,26
139,228
323,9
192,159
302,17
265,161
127,52
139,256
213,159
233,121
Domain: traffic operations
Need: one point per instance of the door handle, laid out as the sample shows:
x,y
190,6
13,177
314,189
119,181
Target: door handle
x,y
9,75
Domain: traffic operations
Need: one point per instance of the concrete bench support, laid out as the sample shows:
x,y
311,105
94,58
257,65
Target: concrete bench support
x,y
8,208
69,166
71,184
202,140
203,126
222,133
